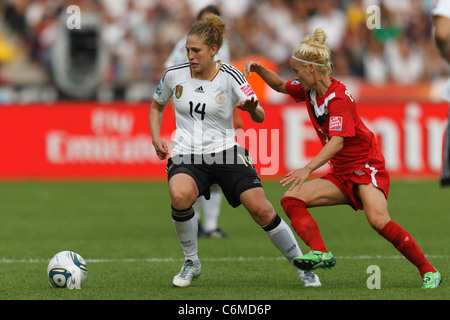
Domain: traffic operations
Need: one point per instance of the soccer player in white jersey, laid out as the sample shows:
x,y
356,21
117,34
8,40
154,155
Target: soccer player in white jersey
x,y
210,208
205,151
441,21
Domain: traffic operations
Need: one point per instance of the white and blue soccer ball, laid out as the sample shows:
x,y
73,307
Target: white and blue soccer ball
x,y
67,269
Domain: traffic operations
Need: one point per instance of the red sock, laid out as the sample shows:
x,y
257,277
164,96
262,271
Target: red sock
x,y
302,222
404,242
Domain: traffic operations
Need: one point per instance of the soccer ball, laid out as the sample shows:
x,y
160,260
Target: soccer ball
x,y
67,269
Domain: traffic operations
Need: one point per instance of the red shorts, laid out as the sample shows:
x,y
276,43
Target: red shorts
x,y
348,183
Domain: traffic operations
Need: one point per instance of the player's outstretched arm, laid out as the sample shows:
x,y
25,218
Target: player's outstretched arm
x,y
269,77
297,177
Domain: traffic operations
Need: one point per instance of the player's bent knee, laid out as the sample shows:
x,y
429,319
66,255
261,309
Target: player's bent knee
x,y
182,198
262,213
290,194
293,194
256,203
377,219
183,191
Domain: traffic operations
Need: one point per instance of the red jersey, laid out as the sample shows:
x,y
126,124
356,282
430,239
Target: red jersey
x,y
334,114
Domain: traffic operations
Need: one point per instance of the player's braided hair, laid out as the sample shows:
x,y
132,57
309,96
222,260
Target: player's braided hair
x,y
211,30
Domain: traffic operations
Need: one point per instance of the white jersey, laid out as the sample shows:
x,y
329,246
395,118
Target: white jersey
x,y
179,55
203,109
442,8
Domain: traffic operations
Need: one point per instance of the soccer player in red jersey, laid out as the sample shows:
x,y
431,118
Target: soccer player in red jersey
x,y
358,176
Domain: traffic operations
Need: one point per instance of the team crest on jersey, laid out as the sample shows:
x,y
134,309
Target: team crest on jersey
x,y
178,91
220,98
335,123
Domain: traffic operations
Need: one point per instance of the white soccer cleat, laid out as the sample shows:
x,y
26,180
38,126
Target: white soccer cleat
x,y
189,271
309,279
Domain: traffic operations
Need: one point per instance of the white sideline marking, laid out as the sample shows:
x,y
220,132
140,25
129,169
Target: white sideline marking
x,y
162,260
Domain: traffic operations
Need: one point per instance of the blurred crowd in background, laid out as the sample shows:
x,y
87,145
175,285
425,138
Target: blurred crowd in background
x,y
138,36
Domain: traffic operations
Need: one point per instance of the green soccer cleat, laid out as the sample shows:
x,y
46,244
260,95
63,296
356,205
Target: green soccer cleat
x,y
315,260
189,272
431,280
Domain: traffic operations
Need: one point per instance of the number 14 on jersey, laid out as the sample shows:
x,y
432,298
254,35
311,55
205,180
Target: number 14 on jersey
x,y
199,108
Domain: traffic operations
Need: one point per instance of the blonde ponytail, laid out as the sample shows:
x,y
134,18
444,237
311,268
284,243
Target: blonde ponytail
x,y
314,49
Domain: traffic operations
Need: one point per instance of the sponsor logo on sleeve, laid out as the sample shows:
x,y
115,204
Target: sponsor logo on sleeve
x,y
335,123
159,90
247,90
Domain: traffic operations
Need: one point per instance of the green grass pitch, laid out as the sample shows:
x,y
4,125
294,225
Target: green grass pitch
x,y
125,233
